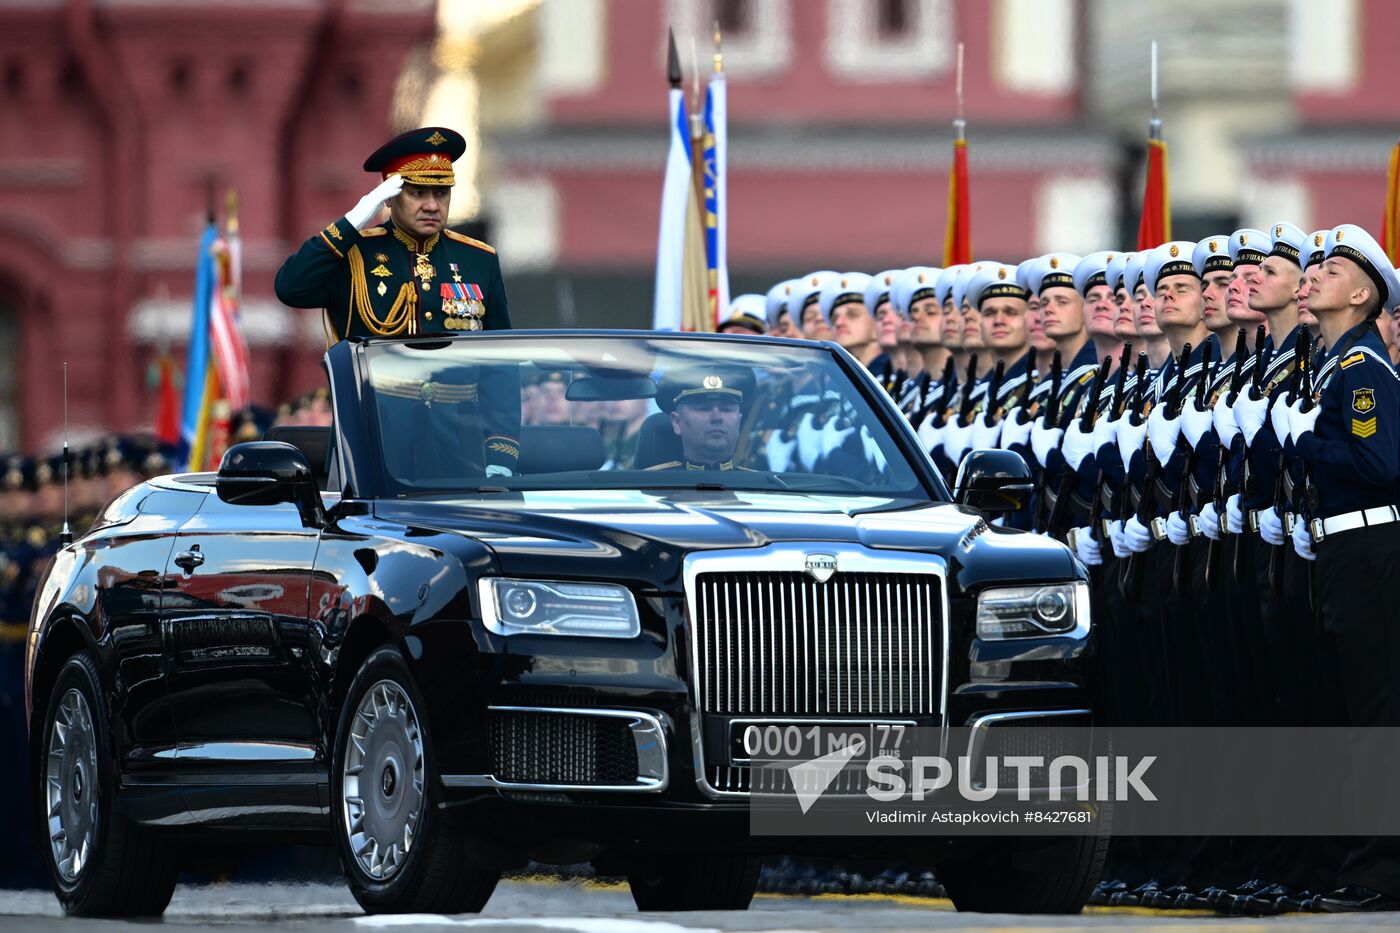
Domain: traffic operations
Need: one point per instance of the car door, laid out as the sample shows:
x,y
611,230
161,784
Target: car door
x,y
235,624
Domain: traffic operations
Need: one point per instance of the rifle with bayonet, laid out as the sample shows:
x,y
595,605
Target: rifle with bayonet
x,y
993,390
1280,485
1256,381
1086,424
948,384
1192,461
1131,576
1051,414
965,409
1134,413
1115,410
1222,469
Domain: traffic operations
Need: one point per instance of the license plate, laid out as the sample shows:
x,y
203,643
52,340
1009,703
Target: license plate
x,y
805,739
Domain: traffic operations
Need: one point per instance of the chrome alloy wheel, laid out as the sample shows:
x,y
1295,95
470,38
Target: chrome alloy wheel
x,y
382,780
70,785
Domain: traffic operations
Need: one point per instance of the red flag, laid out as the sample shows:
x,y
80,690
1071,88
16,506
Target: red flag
x,y
1155,227
167,403
1390,225
957,242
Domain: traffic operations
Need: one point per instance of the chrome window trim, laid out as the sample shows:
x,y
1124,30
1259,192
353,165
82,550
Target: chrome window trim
x,y
791,557
653,774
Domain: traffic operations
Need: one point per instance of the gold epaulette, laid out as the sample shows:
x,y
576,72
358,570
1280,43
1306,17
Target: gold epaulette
x,y
462,238
1352,360
374,231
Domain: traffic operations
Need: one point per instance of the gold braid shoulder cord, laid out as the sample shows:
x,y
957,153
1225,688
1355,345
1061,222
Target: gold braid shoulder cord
x,y
401,317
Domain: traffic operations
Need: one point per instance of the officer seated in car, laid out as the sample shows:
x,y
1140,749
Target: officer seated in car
x,y
706,405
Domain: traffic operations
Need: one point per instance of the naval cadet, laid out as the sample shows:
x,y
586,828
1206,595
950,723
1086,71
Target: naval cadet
x,y
410,275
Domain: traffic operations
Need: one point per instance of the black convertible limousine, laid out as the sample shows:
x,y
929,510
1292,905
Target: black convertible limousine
x,y
449,644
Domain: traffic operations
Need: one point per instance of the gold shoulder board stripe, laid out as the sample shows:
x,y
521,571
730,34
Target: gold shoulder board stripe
x,y
374,231
460,238
327,240
1363,429
1352,360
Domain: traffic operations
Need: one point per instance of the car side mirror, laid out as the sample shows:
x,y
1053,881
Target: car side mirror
x,y
270,473
993,481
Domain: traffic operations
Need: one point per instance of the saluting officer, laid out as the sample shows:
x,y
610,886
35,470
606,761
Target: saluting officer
x,y
410,275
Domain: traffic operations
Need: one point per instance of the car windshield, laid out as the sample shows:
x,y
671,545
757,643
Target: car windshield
x,y
561,411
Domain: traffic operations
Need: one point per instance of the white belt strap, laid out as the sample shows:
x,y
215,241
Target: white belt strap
x,y
1363,518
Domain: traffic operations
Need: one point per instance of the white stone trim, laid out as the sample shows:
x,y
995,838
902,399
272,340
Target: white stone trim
x,y
265,322
1075,214
764,52
855,51
527,222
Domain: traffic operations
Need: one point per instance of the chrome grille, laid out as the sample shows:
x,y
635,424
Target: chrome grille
x,y
782,643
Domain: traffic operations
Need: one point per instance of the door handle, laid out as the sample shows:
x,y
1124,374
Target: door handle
x,y
188,560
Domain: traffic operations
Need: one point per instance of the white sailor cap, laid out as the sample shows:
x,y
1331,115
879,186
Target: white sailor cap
x,y
1316,248
776,301
1354,243
914,284
1132,270
1288,243
808,290
995,280
944,286
964,276
1167,260
749,311
1249,247
1113,272
1023,273
1212,255
1053,270
1092,270
880,290
844,289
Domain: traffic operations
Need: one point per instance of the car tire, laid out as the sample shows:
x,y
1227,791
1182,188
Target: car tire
x,y
1027,875
101,864
398,854
698,882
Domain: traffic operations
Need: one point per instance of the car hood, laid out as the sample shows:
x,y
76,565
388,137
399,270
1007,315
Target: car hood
x,y
644,536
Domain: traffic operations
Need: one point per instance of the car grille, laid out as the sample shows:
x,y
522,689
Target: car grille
x,y
782,643
561,748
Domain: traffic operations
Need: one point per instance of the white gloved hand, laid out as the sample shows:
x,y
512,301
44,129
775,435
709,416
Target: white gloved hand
x,y
1115,537
957,440
1250,414
1302,540
1105,431
1222,417
1137,537
495,469
1163,432
1278,419
809,442
1209,522
1087,548
1130,438
1013,432
1077,445
1195,422
361,214
930,434
1178,529
1044,440
1234,515
1301,422
984,435
1271,526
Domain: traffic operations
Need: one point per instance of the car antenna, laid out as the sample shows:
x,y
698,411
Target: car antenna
x,y
65,537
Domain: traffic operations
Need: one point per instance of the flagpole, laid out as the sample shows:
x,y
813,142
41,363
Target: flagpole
x,y
959,123
1154,127
957,238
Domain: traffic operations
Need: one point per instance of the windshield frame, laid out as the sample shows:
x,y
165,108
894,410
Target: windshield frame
x,y
360,439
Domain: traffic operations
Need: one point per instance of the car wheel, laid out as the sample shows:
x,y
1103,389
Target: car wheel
x,y
397,852
699,882
1027,875
101,864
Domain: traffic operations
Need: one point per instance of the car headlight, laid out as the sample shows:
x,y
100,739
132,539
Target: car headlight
x,y
1020,611
547,607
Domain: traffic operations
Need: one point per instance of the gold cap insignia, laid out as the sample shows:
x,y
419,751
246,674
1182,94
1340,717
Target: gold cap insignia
x,y
815,280
437,139
1317,239
1001,273
1212,245
1054,262
1339,235
921,278
1110,258
889,279
1244,239
713,382
787,289
843,283
1175,250
1278,230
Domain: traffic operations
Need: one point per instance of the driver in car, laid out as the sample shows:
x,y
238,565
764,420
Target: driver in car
x,y
706,405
